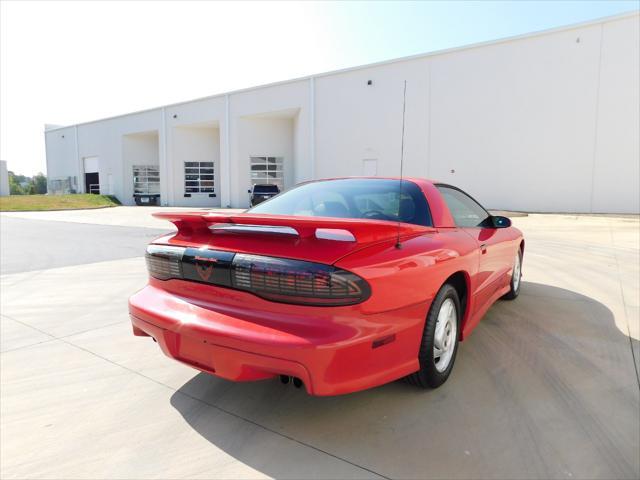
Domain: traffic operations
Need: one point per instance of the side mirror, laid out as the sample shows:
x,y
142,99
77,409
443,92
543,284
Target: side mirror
x,y
500,222
249,191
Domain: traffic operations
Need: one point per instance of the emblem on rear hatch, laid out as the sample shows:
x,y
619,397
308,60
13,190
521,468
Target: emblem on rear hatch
x,y
204,267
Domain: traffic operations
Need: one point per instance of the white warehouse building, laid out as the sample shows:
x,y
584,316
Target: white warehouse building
x,y
547,122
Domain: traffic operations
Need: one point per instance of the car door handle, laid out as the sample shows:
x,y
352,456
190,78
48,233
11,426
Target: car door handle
x,y
483,248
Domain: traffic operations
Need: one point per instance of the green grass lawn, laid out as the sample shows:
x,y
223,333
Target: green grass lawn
x,y
18,203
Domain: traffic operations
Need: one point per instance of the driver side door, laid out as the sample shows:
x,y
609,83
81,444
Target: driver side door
x,y
492,243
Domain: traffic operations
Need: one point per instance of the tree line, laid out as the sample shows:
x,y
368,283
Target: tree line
x,y
23,185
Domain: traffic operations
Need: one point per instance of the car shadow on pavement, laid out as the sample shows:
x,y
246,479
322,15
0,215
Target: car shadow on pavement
x,y
545,387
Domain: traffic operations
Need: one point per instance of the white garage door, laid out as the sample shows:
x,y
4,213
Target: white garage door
x,y
267,170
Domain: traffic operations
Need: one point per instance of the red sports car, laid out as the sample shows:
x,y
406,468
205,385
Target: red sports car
x,y
340,284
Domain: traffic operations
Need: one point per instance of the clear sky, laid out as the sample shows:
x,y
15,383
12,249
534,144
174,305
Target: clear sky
x,y
69,62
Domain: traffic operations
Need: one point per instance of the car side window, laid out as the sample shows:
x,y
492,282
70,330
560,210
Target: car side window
x,y
465,210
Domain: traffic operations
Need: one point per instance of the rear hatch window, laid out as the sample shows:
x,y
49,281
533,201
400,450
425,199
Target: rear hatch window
x,y
372,199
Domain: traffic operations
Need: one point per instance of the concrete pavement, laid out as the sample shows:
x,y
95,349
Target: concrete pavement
x,y
40,245
546,387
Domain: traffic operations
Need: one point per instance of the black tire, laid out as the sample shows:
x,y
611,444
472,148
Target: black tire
x,y
514,291
428,376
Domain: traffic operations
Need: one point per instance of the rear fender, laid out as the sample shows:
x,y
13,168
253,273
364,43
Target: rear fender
x,y
409,275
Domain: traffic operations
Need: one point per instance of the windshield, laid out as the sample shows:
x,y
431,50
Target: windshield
x,y
368,198
265,189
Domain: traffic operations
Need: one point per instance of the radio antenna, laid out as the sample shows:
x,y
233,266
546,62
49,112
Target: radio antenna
x,y
404,106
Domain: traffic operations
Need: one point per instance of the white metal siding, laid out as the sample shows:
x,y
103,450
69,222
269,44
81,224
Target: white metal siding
x,y
546,122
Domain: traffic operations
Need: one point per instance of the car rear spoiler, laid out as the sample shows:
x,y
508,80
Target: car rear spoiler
x,y
325,228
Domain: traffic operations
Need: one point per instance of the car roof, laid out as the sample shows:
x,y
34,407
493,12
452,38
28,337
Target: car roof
x,y
355,177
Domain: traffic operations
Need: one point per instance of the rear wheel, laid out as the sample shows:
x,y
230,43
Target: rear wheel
x,y
516,276
439,340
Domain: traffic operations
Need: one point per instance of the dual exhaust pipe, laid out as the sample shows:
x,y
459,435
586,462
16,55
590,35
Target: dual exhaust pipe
x,y
285,379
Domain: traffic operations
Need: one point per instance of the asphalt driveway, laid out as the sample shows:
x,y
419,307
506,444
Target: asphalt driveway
x,y
546,387
40,245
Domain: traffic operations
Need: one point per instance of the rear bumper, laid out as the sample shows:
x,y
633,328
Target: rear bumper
x,y
330,349
224,362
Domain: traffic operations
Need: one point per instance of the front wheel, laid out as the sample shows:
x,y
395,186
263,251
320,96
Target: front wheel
x,y
516,277
439,340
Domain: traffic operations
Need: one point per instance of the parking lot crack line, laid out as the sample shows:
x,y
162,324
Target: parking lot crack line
x,y
91,329
27,346
52,337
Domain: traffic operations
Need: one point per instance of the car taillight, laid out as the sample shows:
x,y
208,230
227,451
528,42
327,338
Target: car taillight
x,y
164,262
296,281
275,279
